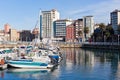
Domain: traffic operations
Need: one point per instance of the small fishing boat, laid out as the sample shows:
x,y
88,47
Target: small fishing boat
x,y
54,56
28,63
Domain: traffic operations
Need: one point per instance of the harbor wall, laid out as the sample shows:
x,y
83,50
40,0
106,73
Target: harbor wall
x,y
99,45
8,45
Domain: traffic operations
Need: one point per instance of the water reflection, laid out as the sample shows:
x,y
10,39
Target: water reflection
x,y
2,74
28,73
77,64
104,63
76,56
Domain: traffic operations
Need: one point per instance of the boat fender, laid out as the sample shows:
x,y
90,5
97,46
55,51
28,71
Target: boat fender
x,y
2,61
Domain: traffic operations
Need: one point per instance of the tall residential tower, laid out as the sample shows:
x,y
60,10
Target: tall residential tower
x,y
47,19
88,23
115,19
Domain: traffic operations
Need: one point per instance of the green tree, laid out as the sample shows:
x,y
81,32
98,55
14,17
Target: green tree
x,y
80,33
109,32
118,29
102,26
86,30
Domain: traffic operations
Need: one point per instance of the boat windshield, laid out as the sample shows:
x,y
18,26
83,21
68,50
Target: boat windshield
x,y
8,51
3,52
22,47
0,52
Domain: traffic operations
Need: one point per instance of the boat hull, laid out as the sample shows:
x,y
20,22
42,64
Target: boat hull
x,y
30,65
4,66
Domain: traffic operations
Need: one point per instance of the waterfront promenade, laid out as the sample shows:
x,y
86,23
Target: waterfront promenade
x,y
96,45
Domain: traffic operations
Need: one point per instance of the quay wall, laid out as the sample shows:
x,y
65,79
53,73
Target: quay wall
x,y
70,45
97,45
8,45
102,46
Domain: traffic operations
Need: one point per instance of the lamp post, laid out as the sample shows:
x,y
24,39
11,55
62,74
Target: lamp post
x,y
104,39
118,39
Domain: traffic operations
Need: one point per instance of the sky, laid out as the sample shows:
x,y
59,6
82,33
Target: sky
x,y
23,14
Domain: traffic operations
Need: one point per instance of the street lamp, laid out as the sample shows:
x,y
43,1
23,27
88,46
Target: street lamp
x,y
118,39
104,39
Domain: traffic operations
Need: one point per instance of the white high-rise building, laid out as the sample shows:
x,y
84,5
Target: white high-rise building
x,y
47,19
115,19
88,22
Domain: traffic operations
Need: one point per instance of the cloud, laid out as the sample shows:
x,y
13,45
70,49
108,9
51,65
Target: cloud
x,y
100,11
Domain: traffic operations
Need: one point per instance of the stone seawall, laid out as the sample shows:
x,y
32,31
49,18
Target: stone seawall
x,y
73,45
70,45
99,45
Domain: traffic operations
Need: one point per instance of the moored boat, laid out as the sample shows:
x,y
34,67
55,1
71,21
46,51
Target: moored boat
x,y
25,63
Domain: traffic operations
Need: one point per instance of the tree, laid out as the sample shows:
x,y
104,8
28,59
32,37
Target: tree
x,y
80,33
97,35
118,29
86,31
102,26
110,29
109,32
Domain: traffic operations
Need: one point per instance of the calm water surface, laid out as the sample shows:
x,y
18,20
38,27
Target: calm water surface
x,y
77,64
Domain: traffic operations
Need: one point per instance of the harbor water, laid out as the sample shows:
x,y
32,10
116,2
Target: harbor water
x,y
76,64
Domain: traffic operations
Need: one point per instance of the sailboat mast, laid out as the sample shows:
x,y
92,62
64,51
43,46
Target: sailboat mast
x,y
39,23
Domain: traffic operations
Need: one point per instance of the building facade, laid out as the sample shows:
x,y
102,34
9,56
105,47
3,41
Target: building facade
x,y
79,29
3,36
60,28
26,35
115,20
46,26
6,28
70,33
88,23
14,35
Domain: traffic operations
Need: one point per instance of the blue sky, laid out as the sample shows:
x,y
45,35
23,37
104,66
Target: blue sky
x,y
23,14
